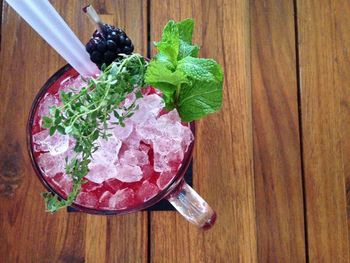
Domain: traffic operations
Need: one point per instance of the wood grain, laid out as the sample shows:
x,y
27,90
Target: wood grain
x,y
247,159
343,79
127,238
1,4
277,163
324,83
28,234
223,156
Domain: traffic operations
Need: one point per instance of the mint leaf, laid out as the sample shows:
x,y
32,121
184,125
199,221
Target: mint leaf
x,y
185,28
157,73
165,60
161,75
204,95
199,99
169,92
192,85
169,44
186,49
201,69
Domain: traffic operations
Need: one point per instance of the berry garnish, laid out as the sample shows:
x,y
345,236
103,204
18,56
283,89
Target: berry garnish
x,y
105,47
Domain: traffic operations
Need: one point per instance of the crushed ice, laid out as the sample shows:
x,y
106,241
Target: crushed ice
x,y
125,154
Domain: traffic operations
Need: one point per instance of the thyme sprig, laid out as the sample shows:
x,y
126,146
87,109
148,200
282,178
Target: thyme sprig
x,y
85,116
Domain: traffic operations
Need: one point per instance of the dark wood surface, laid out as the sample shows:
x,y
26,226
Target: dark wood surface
x,y
274,163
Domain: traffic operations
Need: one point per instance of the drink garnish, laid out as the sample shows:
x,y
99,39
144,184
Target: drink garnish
x,y
107,41
85,115
189,84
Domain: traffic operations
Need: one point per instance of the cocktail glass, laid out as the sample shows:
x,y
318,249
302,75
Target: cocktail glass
x,y
178,192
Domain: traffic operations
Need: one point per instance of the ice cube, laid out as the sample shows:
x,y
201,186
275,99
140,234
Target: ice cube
x,y
187,138
175,131
147,191
87,199
152,103
100,172
168,162
169,128
165,179
104,199
141,116
149,106
175,159
51,165
63,182
113,184
169,125
166,145
145,148
123,132
148,131
161,163
121,199
133,141
134,157
165,151
73,84
91,186
127,173
171,116
55,144
48,101
170,142
108,150
129,100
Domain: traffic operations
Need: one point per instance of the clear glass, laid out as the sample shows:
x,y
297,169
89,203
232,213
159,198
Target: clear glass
x,y
178,193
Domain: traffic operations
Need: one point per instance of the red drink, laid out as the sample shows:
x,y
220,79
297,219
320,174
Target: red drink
x,y
136,164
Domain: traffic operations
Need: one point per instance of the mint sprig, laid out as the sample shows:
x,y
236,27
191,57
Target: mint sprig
x,y
85,116
191,85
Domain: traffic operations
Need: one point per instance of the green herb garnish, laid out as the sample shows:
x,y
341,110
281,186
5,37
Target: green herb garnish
x,y
191,85
85,117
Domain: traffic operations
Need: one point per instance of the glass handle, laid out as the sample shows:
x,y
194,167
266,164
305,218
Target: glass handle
x,y
192,206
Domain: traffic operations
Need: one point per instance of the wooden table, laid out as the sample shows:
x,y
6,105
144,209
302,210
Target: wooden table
x,y
274,163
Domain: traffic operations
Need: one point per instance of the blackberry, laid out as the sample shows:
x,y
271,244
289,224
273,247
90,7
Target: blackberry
x,y
105,47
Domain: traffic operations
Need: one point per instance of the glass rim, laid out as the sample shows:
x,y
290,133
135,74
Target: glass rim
x,y
161,195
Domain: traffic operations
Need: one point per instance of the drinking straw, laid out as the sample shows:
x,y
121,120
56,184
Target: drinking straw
x,y
94,17
45,20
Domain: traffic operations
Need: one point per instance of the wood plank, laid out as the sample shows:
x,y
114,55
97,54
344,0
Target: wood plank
x,y
223,156
28,233
22,210
343,78
324,82
96,237
1,4
277,163
127,238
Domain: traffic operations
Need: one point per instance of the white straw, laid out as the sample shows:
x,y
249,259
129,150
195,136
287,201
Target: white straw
x,y
45,20
94,17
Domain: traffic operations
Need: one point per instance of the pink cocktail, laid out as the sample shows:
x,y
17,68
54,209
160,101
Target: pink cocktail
x,y
136,167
